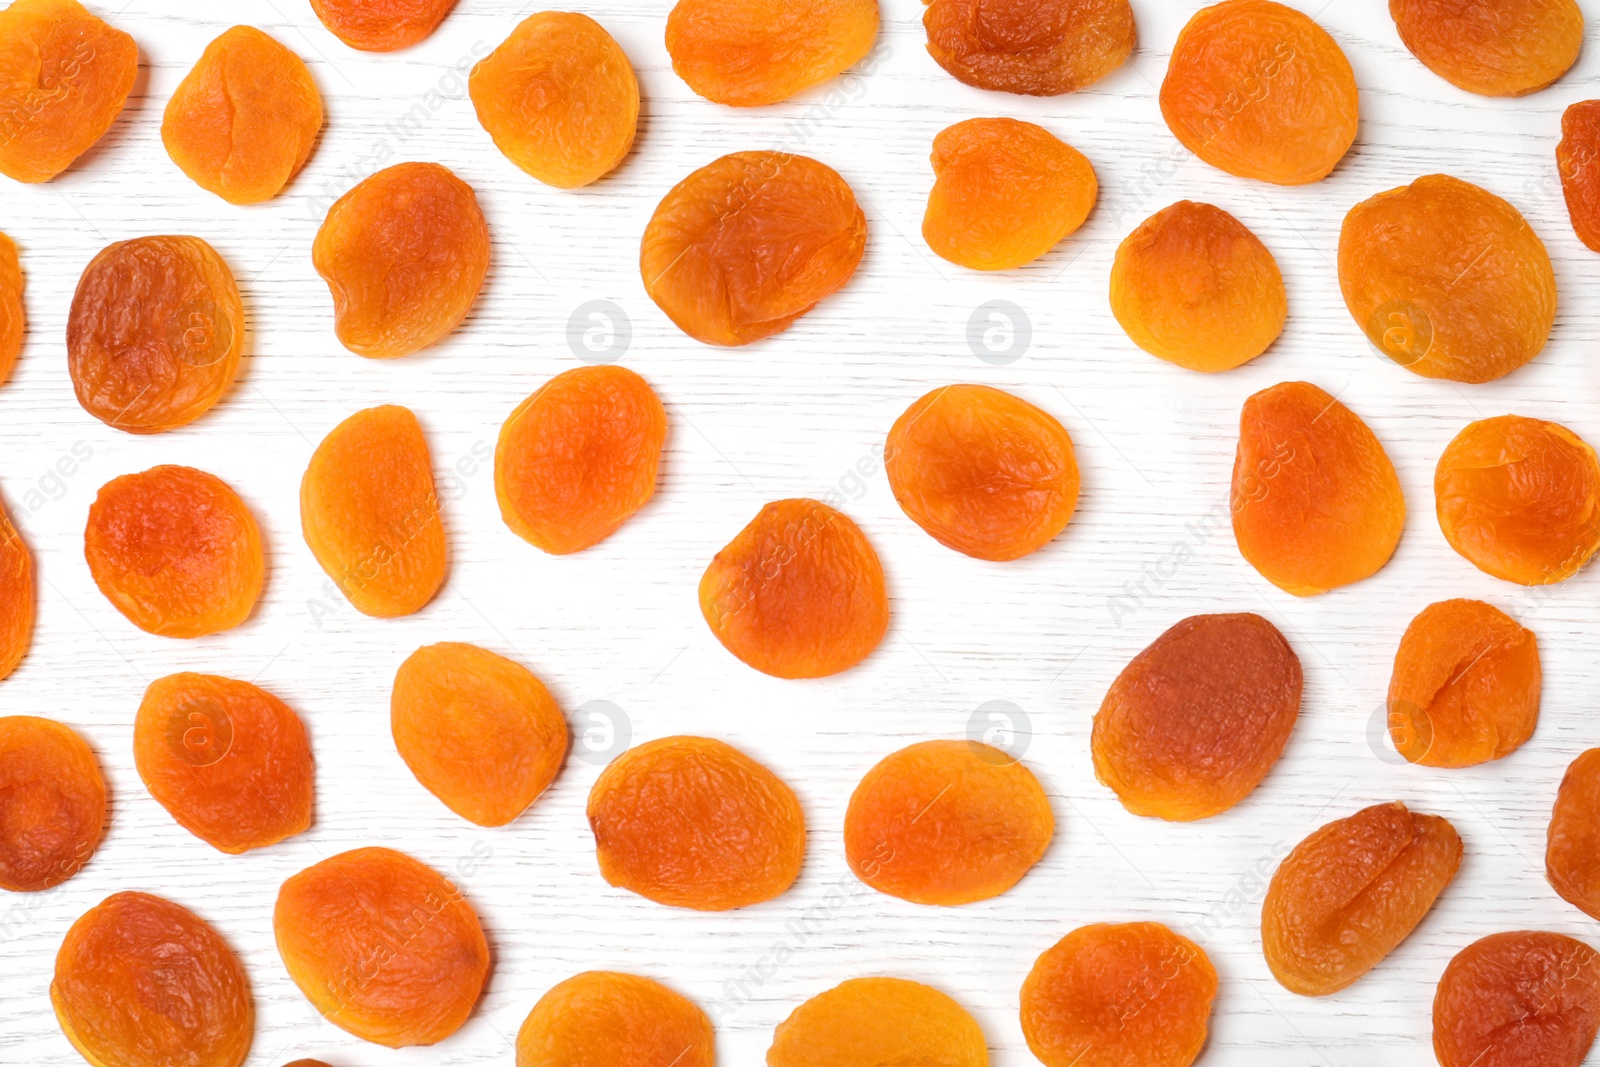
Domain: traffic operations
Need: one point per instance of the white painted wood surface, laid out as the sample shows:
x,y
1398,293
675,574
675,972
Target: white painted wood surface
x,y
802,414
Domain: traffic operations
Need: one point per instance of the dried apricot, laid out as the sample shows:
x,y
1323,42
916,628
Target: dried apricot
x,y
799,593
1114,994
695,823
1351,892
750,242
382,945
607,1019
1194,286
404,255
577,458
879,1022
1572,849
18,596
1036,49
370,514
155,333
1447,279
13,313
1465,688
228,760
1316,503
752,52
143,982
52,803
64,77
306,1063
382,25
1518,999
1505,48
1576,157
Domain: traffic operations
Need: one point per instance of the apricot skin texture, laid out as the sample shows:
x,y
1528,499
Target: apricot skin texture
x,y
879,1022
1518,999
1572,850
1506,48
55,803
13,312
19,597
607,1019
1578,159
753,52
1036,49
382,25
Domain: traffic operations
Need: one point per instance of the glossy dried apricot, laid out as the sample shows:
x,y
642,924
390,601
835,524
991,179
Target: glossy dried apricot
x,y
1195,287
1572,846
577,458
370,514
1116,994
745,245
1038,49
404,255
143,982
229,761
753,52
879,1022
52,803
1005,192
13,312
1465,688
695,823
607,1019
155,333
1516,1000
382,945
1259,90
1505,48
18,596
382,25
1578,161
1351,892
799,593
1447,279
1316,503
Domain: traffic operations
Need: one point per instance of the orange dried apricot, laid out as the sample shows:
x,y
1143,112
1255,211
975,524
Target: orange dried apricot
x,y
370,514
18,596
143,982
404,254
1518,999
382,945
1576,158
879,1022
1115,994
1447,279
229,761
607,1019
695,823
1351,892
1259,90
382,25
577,458
1465,688
1193,286
155,333
52,803
753,52
13,313
1316,503
1037,49
799,593
745,245
64,77
1572,847
1505,48
306,1063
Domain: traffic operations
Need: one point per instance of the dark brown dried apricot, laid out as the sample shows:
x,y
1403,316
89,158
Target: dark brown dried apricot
x,y
753,52
1578,160
383,946
799,593
1516,1000
1316,503
607,1019
695,823
155,333
370,514
18,596
1195,721
404,255
1572,845
52,803
143,982
1351,892
382,25
1116,994
879,1022
1504,48
1038,49
747,244
13,312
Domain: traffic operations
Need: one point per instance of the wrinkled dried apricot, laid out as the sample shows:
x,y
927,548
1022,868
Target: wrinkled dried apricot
x,y
143,982
230,762
577,458
18,596
799,593
155,333
753,52
1115,994
1577,156
13,313
1465,687
1195,287
1259,90
1316,503
747,244
370,514
695,823
64,76
879,1022
1572,847
607,1019
52,803
382,945
1351,892
1447,279
1516,1000
1505,48
1038,49
404,255
382,25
